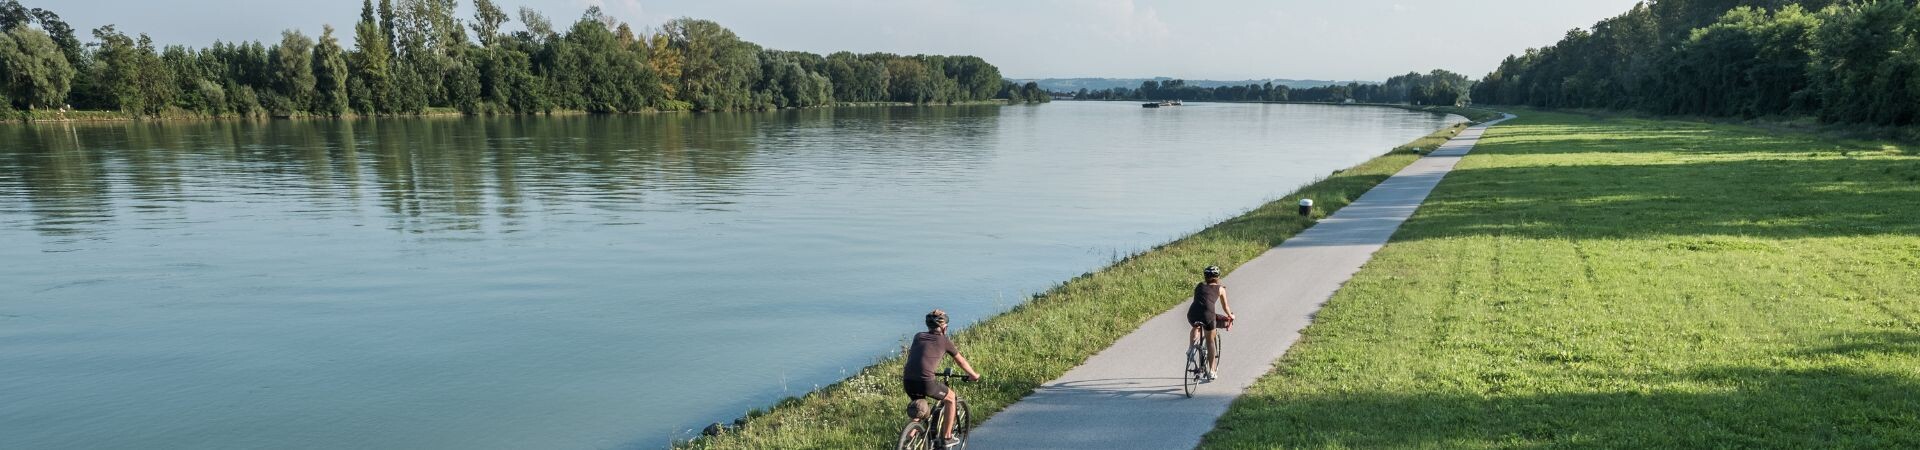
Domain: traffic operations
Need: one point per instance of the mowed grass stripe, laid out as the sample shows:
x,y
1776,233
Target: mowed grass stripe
x,y
1042,338
1594,281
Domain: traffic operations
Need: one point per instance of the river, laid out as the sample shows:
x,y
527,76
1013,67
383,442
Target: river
x,y
575,281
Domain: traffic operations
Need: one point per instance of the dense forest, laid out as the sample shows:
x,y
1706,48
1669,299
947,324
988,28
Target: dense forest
x,y
411,56
1438,87
1842,61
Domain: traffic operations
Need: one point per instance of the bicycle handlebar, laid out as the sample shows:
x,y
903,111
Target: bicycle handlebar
x,y
948,374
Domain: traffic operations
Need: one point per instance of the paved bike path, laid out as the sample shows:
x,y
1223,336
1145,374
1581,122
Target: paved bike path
x,y
1129,395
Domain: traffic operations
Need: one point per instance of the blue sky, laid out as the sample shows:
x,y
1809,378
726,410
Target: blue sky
x,y
1217,39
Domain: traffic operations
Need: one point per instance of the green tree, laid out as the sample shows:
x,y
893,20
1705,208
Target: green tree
x,y
330,75
666,63
62,35
212,97
371,61
719,69
188,71
414,54
787,80
510,80
463,81
539,29
32,70
293,80
1749,63
388,20
908,81
858,78
604,75
487,18
130,76
13,15
1863,64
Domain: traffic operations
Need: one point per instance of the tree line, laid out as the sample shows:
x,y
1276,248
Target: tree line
x,y
1438,87
1841,61
410,56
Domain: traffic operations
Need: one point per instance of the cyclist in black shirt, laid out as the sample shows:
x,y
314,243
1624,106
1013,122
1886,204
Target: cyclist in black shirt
x,y
929,348
1209,311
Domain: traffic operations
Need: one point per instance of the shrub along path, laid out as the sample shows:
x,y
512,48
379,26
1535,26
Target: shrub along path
x,y
1594,281
1129,395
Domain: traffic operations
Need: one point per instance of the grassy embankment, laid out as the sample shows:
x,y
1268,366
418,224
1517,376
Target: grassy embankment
x,y
1597,281
1052,332
1471,113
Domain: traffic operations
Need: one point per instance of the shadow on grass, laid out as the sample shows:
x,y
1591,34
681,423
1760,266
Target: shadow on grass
x,y
1888,343
1736,407
1772,198
1683,187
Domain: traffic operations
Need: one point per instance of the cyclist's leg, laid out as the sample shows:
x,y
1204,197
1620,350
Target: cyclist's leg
x,y
1213,349
946,424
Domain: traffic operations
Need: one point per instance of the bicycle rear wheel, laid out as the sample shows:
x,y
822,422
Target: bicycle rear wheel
x,y
1192,374
914,437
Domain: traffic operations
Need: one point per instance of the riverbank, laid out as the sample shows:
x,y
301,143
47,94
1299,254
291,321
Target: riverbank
x,y
1601,280
83,116
1471,113
86,116
1052,332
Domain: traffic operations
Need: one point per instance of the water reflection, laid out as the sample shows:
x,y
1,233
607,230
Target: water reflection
x,y
434,175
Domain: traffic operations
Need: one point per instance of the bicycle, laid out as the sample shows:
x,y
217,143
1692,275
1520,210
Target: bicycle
x,y
1198,355
919,434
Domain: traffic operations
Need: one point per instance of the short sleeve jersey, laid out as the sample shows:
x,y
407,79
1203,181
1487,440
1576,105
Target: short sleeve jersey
x,y
927,351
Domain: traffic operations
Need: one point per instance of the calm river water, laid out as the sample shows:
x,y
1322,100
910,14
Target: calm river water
x,y
569,282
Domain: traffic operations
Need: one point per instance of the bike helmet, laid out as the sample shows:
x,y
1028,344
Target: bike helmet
x,y
936,318
1211,272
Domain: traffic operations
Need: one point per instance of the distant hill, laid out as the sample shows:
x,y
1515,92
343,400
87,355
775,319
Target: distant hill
x,y
1094,84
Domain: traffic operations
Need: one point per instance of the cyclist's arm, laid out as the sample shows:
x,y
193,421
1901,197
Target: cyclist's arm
x,y
1224,307
964,366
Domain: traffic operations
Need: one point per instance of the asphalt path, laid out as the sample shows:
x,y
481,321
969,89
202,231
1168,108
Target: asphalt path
x,y
1129,395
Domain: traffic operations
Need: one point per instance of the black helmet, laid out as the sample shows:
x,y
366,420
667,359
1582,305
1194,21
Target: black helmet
x,y
1211,272
936,318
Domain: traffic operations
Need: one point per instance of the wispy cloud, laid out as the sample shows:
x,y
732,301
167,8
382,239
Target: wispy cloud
x,y
1124,21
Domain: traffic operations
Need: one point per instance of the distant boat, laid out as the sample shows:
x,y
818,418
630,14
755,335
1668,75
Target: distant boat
x,y
1160,104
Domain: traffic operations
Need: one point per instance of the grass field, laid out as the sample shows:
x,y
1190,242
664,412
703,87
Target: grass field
x,y
1049,334
1591,281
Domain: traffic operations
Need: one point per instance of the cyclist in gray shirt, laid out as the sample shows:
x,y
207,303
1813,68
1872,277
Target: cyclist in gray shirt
x,y
928,349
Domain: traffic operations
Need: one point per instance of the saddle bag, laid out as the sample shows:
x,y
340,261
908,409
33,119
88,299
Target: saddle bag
x,y
918,409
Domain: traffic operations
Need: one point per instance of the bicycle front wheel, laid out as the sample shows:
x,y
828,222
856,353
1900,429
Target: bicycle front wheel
x,y
1219,348
914,437
962,424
